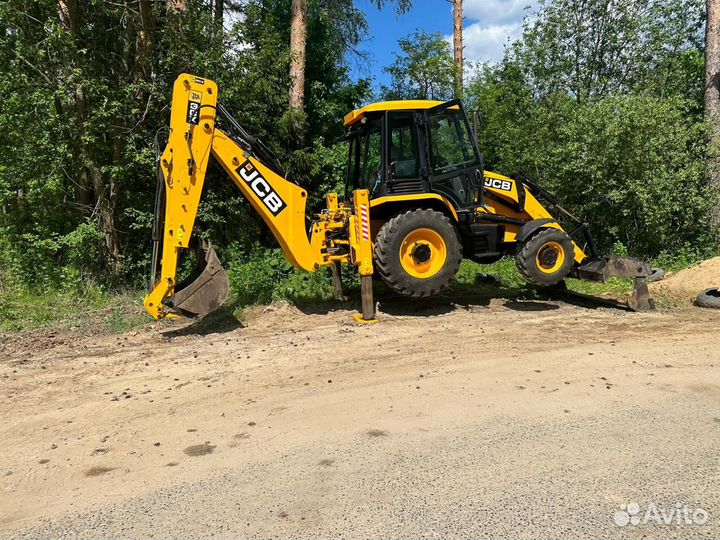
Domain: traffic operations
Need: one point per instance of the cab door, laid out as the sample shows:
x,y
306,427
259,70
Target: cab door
x,y
365,160
455,165
402,148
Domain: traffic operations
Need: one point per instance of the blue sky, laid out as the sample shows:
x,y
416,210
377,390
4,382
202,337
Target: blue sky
x,y
489,24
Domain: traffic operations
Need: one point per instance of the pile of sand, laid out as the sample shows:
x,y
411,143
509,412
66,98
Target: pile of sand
x,y
684,286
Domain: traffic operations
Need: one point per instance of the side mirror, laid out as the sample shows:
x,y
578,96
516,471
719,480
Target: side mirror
x,y
478,179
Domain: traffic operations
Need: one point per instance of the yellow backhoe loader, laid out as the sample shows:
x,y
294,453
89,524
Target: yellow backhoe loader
x,y
417,201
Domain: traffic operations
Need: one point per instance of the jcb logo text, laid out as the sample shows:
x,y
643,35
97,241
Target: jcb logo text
x,y
261,188
503,185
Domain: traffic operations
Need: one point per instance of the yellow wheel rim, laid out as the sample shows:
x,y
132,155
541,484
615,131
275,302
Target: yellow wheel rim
x,y
423,253
550,258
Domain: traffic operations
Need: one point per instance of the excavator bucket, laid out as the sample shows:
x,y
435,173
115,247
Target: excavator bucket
x,y
207,287
602,268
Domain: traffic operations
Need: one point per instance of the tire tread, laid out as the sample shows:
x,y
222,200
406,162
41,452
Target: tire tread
x,y
384,260
525,258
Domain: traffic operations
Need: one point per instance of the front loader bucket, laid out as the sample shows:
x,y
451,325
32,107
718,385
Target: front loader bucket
x,y
206,289
602,268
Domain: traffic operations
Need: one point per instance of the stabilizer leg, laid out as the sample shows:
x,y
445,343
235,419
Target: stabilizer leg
x,y
363,253
337,281
368,302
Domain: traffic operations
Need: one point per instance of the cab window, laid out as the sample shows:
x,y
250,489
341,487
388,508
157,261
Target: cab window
x,y
353,166
371,159
450,144
364,169
403,151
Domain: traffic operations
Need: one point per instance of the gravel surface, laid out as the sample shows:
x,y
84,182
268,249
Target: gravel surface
x,y
493,421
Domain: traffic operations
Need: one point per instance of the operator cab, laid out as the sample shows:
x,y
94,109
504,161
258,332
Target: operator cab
x,y
399,148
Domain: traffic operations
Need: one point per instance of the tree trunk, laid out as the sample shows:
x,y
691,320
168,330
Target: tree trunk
x,y
144,41
298,41
712,103
218,11
69,16
89,175
458,46
712,62
106,194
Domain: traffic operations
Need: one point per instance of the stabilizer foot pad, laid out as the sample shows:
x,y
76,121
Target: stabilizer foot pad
x,y
359,319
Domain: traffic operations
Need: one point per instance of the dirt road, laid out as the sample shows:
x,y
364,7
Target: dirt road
x,y
512,419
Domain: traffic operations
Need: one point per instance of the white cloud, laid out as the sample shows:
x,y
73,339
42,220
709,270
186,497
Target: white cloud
x,y
487,43
497,12
493,24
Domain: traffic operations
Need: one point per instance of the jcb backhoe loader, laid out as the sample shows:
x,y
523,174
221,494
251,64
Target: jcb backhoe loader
x,y
417,202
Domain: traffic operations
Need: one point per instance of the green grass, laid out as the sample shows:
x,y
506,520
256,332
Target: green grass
x,y
22,309
512,284
470,274
260,280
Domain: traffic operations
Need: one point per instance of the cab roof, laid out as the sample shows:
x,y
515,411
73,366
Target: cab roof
x,y
407,105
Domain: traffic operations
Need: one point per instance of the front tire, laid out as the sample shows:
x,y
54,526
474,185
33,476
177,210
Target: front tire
x,y
546,258
418,253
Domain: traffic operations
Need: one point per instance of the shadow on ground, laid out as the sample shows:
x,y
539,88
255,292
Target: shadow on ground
x,y
417,307
524,305
581,300
463,296
218,322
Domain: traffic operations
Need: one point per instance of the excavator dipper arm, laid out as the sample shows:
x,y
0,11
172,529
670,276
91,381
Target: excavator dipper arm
x,y
182,167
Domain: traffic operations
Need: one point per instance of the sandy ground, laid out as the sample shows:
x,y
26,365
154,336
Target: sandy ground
x,y
447,420
684,286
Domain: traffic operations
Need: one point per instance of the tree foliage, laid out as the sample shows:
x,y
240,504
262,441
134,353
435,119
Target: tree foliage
x,y
601,101
87,85
594,48
423,69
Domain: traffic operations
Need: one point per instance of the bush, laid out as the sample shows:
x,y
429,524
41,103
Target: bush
x,y
48,261
261,276
634,165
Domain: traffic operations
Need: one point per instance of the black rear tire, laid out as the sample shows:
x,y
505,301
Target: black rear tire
x,y
392,241
546,258
709,299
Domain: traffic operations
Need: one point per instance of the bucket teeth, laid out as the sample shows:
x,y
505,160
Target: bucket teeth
x,y
206,289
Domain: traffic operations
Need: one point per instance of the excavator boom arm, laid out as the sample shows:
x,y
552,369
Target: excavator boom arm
x,y
280,203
